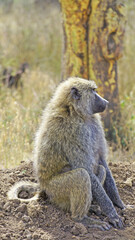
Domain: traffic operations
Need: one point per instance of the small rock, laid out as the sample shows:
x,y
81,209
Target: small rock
x,y
26,218
11,174
22,208
19,215
32,229
130,207
35,236
3,237
79,228
1,215
7,207
75,237
16,202
110,163
133,165
7,235
128,182
45,236
33,209
29,236
27,232
1,205
133,183
41,220
21,175
11,181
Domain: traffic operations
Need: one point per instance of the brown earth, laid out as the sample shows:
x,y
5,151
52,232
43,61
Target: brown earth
x,y
40,220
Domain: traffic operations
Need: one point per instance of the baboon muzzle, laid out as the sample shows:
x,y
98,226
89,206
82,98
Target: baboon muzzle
x,y
100,103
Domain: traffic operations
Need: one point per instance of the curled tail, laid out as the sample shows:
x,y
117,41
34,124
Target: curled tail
x,y
24,191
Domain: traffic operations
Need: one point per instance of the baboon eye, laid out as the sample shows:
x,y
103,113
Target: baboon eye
x,y
94,89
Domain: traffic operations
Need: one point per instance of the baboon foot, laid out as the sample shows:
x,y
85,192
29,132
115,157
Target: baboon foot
x,y
93,223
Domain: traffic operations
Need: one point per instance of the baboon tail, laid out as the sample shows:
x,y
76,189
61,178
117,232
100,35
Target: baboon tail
x,y
24,191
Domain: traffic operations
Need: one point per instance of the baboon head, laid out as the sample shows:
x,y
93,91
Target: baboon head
x,y
82,95
85,98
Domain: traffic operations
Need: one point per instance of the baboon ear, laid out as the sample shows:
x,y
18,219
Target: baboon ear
x,y
75,93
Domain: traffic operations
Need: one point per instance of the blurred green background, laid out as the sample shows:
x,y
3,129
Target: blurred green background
x,y
31,31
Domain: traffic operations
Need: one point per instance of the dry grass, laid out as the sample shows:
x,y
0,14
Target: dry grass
x,y
126,82
34,35
20,114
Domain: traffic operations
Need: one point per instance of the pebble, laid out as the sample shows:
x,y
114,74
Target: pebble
x,y
29,237
22,208
19,215
36,236
16,202
1,205
78,228
26,232
33,209
128,182
26,218
7,207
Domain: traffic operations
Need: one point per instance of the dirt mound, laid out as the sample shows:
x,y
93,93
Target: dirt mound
x,y
40,220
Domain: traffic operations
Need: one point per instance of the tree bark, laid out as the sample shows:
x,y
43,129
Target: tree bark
x,y
93,37
75,53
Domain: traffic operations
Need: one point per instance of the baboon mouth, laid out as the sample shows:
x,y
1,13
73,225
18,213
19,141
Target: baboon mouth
x,y
100,103
102,108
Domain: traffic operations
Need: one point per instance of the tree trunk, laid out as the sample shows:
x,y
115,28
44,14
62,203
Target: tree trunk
x,y
93,34
75,54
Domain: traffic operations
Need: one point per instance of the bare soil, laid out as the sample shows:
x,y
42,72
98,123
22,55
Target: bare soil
x,y
41,220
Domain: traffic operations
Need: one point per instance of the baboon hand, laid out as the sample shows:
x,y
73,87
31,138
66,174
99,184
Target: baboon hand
x,y
116,222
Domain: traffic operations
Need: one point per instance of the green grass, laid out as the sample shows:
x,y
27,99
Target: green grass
x,y
33,35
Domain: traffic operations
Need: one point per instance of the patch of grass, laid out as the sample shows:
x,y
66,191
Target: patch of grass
x,y
20,112
31,35
126,80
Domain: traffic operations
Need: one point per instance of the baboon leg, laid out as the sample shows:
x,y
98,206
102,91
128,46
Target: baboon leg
x,y
101,174
110,186
71,191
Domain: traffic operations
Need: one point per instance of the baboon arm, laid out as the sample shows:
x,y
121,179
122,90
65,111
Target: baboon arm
x,y
110,187
101,197
104,202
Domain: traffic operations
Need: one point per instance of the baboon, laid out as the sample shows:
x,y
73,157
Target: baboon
x,y
71,151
